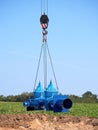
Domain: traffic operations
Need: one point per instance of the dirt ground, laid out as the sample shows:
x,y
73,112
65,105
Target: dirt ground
x,y
47,122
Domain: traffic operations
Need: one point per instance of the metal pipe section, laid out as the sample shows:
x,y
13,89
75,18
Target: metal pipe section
x,y
45,64
61,103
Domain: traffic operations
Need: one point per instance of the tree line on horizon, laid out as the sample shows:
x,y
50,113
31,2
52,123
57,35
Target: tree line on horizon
x,y
87,97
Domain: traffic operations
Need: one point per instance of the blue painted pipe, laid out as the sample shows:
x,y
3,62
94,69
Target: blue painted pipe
x,y
62,103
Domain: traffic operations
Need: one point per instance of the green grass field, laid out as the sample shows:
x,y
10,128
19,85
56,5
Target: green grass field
x,y
78,109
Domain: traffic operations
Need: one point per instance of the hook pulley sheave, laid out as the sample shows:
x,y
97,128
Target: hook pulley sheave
x,y
44,20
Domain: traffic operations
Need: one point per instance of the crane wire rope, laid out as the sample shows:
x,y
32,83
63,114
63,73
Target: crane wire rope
x,y
44,6
47,7
38,67
52,66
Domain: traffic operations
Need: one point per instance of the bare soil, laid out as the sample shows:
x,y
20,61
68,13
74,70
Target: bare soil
x,y
47,122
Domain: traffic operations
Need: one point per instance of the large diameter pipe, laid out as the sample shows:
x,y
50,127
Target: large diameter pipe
x,y
62,104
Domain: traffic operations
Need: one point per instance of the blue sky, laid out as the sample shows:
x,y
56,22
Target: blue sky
x,y
72,40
